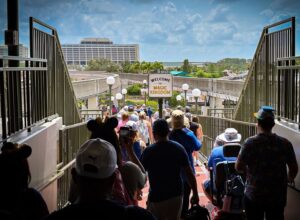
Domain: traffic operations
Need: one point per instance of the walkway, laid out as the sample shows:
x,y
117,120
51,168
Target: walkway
x,y
200,176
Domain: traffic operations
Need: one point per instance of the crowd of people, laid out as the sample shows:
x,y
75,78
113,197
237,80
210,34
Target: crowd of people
x,y
135,146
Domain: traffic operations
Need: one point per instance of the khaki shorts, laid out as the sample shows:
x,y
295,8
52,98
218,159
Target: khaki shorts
x,y
166,210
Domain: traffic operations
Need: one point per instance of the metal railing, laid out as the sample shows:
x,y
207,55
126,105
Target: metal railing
x,y
288,85
212,127
70,139
220,112
23,93
262,86
61,96
90,114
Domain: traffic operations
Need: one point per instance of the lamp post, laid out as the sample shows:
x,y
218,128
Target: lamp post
x,y
196,94
145,82
119,96
185,88
124,92
178,98
110,81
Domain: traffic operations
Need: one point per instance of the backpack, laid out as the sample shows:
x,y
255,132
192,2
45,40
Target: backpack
x,y
197,212
234,193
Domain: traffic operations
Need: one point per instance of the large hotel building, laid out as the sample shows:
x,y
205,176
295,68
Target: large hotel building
x,y
99,48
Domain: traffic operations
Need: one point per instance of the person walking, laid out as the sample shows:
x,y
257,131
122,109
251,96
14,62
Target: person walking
x,y
94,174
189,141
164,161
264,158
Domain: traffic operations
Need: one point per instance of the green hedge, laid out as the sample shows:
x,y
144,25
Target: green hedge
x,y
153,104
134,89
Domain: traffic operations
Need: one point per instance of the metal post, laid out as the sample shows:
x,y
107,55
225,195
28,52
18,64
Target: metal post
x,y
14,79
160,102
12,34
3,101
196,100
123,100
185,91
267,83
110,102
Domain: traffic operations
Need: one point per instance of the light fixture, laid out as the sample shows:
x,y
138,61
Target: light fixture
x,y
119,96
178,98
185,87
110,80
196,93
124,91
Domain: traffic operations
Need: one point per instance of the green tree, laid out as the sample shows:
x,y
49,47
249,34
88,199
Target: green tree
x,y
156,66
126,66
173,101
135,67
102,65
134,89
211,68
186,66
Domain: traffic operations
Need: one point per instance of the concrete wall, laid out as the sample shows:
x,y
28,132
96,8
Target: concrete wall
x,y
92,87
87,88
228,87
44,141
292,210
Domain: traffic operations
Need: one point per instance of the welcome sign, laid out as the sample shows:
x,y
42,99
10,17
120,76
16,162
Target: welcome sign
x,y
160,85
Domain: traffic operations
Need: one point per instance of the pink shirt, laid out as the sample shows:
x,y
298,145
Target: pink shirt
x,y
121,124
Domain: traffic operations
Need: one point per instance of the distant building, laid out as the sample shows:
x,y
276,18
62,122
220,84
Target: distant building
x,y
99,48
23,51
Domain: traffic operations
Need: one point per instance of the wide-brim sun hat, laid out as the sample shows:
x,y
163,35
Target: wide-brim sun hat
x,y
230,135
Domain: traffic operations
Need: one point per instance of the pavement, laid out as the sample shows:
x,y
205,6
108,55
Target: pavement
x,y
201,175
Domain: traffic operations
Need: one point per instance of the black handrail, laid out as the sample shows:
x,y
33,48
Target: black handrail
x,y
62,98
261,86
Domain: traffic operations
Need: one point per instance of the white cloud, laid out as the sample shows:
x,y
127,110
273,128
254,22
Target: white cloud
x,y
267,12
218,13
279,16
174,39
169,8
193,18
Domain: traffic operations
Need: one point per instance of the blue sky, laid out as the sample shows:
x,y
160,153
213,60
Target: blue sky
x,y
200,30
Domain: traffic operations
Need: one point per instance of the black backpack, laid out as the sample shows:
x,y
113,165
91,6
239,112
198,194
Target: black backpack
x,y
197,212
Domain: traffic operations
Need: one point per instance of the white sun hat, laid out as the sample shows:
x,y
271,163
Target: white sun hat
x,y
230,135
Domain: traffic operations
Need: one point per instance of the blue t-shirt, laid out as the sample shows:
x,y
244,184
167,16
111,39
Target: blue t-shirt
x,y
163,161
188,140
218,156
136,148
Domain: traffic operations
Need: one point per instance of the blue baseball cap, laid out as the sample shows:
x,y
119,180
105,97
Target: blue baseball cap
x,y
265,112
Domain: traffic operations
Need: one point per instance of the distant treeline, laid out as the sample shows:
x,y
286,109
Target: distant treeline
x,y
209,70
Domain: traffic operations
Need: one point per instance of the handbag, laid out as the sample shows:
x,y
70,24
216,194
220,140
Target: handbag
x,y
197,212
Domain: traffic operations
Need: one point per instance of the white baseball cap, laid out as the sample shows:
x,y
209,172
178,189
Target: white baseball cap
x,y
96,159
132,125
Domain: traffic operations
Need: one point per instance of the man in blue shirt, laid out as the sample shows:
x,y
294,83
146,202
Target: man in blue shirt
x,y
230,135
191,143
164,160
